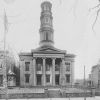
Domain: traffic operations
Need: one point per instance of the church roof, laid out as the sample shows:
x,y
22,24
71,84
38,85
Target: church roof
x,y
46,3
70,55
25,54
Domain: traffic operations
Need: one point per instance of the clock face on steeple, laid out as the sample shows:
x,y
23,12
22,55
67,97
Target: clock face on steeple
x,y
46,29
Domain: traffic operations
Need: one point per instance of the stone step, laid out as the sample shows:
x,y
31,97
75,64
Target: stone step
x,y
54,94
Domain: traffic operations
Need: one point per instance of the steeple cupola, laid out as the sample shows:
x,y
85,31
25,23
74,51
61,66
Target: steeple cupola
x,y
46,27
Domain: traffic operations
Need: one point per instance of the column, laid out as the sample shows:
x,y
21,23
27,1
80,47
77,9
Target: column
x,y
34,71
44,74
72,72
53,71
62,72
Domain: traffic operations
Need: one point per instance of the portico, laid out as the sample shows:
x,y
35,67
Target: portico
x,y
48,71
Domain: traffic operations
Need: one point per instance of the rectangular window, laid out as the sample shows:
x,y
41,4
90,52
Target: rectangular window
x,y
99,82
47,67
48,78
68,78
1,80
39,67
1,65
67,63
27,65
67,66
27,77
57,67
57,79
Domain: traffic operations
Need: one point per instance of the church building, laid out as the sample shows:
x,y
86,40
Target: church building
x,y
46,65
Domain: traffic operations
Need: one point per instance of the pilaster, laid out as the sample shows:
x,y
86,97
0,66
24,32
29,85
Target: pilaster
x,y
34,71
62,72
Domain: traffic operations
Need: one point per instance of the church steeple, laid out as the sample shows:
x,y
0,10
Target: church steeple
x,y
46,27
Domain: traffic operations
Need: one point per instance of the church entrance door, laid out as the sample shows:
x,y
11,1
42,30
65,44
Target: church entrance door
x,y
57,79
39,82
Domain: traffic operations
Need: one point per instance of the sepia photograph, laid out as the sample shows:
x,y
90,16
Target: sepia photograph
x,y
49,50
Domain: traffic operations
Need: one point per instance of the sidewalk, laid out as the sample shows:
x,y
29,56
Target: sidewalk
x,y
93,98
23,90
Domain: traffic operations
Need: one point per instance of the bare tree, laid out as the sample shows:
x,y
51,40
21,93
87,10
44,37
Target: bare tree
x,y
97,14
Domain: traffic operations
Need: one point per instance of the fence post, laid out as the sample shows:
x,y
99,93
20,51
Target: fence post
x,y
93,91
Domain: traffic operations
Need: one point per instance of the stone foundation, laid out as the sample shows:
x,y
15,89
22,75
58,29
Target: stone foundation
x,y
24,95
44,95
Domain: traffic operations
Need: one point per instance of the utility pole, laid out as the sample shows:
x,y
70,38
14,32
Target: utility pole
x,y
84,85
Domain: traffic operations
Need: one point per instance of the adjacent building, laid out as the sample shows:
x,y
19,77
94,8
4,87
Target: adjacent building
x,y
7,65
46,65
94,77
82,83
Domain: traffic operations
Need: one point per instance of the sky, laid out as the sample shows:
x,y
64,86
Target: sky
x,y
72,23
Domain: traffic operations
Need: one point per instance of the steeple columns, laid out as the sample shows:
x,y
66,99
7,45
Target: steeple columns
x,y
46,27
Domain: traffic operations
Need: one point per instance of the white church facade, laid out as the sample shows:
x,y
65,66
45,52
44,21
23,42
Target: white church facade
x,y
46,65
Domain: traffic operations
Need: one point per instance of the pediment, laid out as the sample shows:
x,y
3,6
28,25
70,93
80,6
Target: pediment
x,y
48,50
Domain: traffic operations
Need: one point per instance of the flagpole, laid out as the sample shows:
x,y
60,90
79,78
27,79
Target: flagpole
x,y
5,63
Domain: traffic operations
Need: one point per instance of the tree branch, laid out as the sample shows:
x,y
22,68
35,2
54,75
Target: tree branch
x,y
97,14
94,7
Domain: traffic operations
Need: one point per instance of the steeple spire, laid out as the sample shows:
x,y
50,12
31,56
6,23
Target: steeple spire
x,y
46,27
